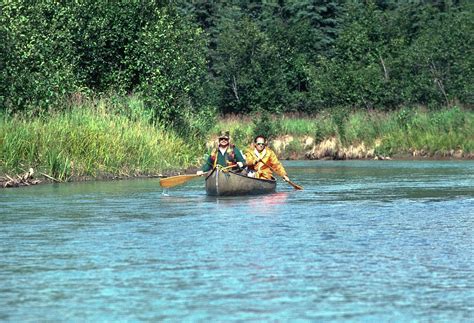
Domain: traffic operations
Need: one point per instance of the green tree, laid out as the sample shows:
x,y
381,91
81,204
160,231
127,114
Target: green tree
x,y
51,50
36,54
169,64
437,68
392,55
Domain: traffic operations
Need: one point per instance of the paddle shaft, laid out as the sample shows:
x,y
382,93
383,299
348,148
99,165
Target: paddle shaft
x,y
295,186
173,181
178,180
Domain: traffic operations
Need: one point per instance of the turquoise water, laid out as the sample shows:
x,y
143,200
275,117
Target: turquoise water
x,y
365,241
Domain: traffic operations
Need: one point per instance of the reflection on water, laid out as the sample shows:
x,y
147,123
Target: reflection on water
x,y
255,205
365,241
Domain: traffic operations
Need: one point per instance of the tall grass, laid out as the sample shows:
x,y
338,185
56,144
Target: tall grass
x,y
92,141
121,138
241,129
395,132
431,132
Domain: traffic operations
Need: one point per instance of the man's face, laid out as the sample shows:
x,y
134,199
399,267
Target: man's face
x,y
260,144
223,142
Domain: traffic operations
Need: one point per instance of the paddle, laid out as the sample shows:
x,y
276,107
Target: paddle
x,y
173,181
177,180
295,186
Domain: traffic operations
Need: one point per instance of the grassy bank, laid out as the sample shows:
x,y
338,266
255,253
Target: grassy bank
x,y
91,141
408,132
103,140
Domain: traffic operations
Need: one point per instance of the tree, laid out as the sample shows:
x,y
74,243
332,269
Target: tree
x,y
36,54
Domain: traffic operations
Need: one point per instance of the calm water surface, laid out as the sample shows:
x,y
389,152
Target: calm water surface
x,y
365,241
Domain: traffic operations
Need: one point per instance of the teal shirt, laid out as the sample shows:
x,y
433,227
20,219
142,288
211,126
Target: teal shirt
x,y
222,159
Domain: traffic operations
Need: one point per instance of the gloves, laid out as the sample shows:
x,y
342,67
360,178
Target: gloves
x,y
199,173
240,164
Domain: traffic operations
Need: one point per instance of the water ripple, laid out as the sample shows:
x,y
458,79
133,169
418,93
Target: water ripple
x,y
365,241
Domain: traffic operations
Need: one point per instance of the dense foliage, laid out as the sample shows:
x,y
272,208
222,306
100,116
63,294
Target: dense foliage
x,y
52,52
185,58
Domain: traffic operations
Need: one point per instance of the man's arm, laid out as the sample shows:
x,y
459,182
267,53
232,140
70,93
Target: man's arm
x,y
276,165
239,158
238,155
207,165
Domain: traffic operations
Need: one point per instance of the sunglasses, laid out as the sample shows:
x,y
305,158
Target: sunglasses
x,y
224,139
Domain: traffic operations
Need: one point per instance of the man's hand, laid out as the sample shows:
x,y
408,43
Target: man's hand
x,y
240,164
286,178
199,173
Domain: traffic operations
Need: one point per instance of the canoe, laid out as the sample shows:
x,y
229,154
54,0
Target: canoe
x,y
227,183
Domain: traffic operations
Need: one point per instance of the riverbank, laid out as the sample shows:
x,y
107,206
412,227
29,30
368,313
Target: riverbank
x,y
98,143
342,134
30,178
91,142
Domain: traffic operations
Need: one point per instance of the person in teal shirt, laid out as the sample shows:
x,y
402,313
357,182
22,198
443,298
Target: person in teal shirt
x,y
225,155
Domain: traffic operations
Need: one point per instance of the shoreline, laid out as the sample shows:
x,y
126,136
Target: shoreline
x,y
28,179
95,144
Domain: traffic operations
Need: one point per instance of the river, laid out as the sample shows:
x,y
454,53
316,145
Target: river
x,y
365,241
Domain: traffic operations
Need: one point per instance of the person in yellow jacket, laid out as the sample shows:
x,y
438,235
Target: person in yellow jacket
x,y
262,161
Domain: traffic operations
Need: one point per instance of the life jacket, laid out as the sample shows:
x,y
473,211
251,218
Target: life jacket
x,y
229,156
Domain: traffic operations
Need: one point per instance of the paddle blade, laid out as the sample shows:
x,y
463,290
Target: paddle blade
x,y
176,180
296,186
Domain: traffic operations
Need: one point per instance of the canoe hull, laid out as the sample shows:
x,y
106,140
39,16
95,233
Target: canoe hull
x,y
225,183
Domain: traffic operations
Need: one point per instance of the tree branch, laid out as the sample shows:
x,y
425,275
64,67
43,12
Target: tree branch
x,y
234,88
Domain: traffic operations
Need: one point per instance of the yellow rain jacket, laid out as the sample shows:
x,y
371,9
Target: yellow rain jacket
x,y
262,163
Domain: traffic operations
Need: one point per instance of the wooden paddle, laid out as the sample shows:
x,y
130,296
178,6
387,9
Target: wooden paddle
x,y
177,180
173,181
295,186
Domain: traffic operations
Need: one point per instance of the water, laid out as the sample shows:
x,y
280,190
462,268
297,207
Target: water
x,y
365,241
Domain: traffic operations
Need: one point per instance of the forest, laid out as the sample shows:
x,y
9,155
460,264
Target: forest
x,y
188,63
190,57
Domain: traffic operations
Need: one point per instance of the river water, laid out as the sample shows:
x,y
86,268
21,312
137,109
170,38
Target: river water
x,y
365,241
